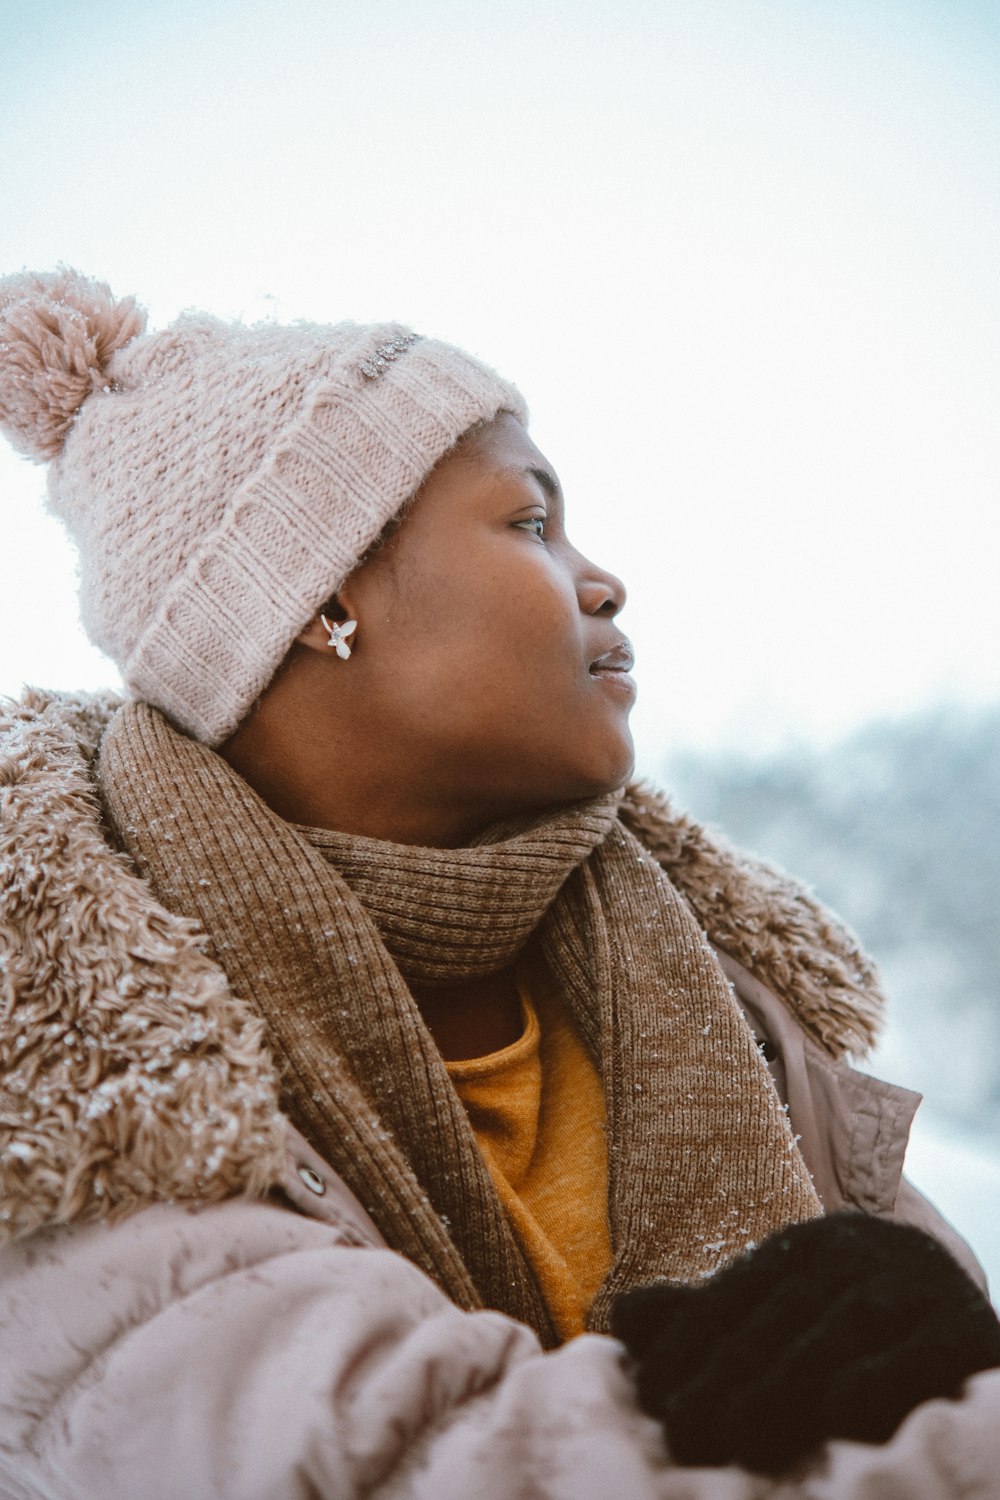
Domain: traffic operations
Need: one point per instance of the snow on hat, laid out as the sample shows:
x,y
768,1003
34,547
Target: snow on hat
x,y
220,480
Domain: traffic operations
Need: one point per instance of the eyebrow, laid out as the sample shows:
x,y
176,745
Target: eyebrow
x,y
548,482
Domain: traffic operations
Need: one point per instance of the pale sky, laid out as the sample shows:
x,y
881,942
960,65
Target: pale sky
x,y
742,259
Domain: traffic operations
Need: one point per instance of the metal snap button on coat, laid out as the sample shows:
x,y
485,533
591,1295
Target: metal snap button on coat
x,y
312,1180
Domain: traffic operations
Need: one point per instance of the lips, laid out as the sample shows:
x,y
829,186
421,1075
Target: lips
x,y
619,659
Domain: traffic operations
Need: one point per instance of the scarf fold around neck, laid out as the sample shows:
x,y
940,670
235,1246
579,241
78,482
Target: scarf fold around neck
x,y
321,933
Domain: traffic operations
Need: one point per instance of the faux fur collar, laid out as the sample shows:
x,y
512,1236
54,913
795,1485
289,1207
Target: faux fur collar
x,y
129,1072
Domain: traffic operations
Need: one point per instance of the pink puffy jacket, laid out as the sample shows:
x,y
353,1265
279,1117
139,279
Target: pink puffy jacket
x,y
275,1349
251,1351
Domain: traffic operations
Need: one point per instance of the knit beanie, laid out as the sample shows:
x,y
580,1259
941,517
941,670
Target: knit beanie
x,y
220,480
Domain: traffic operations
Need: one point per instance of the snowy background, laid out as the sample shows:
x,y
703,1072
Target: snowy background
x,y
742,258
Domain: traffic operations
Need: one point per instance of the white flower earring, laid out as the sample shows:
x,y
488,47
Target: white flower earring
x,y
337,635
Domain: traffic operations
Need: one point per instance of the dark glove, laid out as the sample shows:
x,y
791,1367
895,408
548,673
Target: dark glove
x,y
836,1328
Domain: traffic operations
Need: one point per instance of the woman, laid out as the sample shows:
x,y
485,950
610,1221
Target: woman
x,y
362,1038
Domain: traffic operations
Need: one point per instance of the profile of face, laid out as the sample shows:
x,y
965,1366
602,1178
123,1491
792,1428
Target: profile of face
x,y
487,665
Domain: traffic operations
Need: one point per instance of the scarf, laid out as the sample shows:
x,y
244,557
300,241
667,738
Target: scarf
x,y
319,936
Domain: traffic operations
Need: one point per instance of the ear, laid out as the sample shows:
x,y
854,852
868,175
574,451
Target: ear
x,y
315,635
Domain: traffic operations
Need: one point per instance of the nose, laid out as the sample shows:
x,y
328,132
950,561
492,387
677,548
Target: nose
x,y
599,592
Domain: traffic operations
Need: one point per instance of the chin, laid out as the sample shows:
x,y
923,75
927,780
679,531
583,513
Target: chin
x,y
541,777
623,763
607,774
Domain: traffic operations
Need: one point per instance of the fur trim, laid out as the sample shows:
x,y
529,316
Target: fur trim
x,y
768,922
129,1072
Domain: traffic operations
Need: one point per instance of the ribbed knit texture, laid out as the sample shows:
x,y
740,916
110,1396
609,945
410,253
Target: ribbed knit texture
x,y
481,913
701,1157
221,481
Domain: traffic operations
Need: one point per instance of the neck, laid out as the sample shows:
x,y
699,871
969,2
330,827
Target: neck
x,y
473,1017
332,770
315,791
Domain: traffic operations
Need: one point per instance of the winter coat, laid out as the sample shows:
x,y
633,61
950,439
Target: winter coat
x,y
253,1338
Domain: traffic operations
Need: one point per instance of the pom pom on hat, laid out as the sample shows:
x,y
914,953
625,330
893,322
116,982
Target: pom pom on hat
x,y
58,332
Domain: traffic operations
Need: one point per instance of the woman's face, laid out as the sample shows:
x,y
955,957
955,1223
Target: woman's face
x,y
486,648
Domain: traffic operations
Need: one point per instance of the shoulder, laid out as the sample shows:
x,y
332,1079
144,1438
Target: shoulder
x,y
768,922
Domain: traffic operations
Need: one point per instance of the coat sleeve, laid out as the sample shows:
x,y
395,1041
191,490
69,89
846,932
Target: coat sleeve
x,y
241,1352
244,1352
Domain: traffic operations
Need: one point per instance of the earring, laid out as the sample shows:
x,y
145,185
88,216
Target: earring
x,y
337,634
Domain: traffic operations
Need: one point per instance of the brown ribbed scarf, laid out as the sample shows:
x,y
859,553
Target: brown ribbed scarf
x,y
318,934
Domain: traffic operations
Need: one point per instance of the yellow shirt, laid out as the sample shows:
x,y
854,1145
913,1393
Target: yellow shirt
x,y
537,1110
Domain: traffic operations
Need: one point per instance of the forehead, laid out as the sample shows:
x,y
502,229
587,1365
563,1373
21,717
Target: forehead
x,y
501,444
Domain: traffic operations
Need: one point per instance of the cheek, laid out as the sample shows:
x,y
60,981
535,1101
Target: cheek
x,y
478,633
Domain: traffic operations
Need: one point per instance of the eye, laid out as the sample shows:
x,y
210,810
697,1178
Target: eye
x,y
535,524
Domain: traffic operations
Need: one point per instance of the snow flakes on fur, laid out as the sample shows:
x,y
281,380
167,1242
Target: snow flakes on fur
x,y
770,924
128,1071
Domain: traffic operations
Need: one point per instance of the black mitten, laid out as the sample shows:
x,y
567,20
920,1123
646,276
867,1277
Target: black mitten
x,y
836,1328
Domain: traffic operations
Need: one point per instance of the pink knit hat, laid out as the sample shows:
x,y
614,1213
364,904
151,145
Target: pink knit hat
x,y
220,480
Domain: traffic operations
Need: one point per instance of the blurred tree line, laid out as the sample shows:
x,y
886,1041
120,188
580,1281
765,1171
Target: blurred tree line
x,y
898,829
